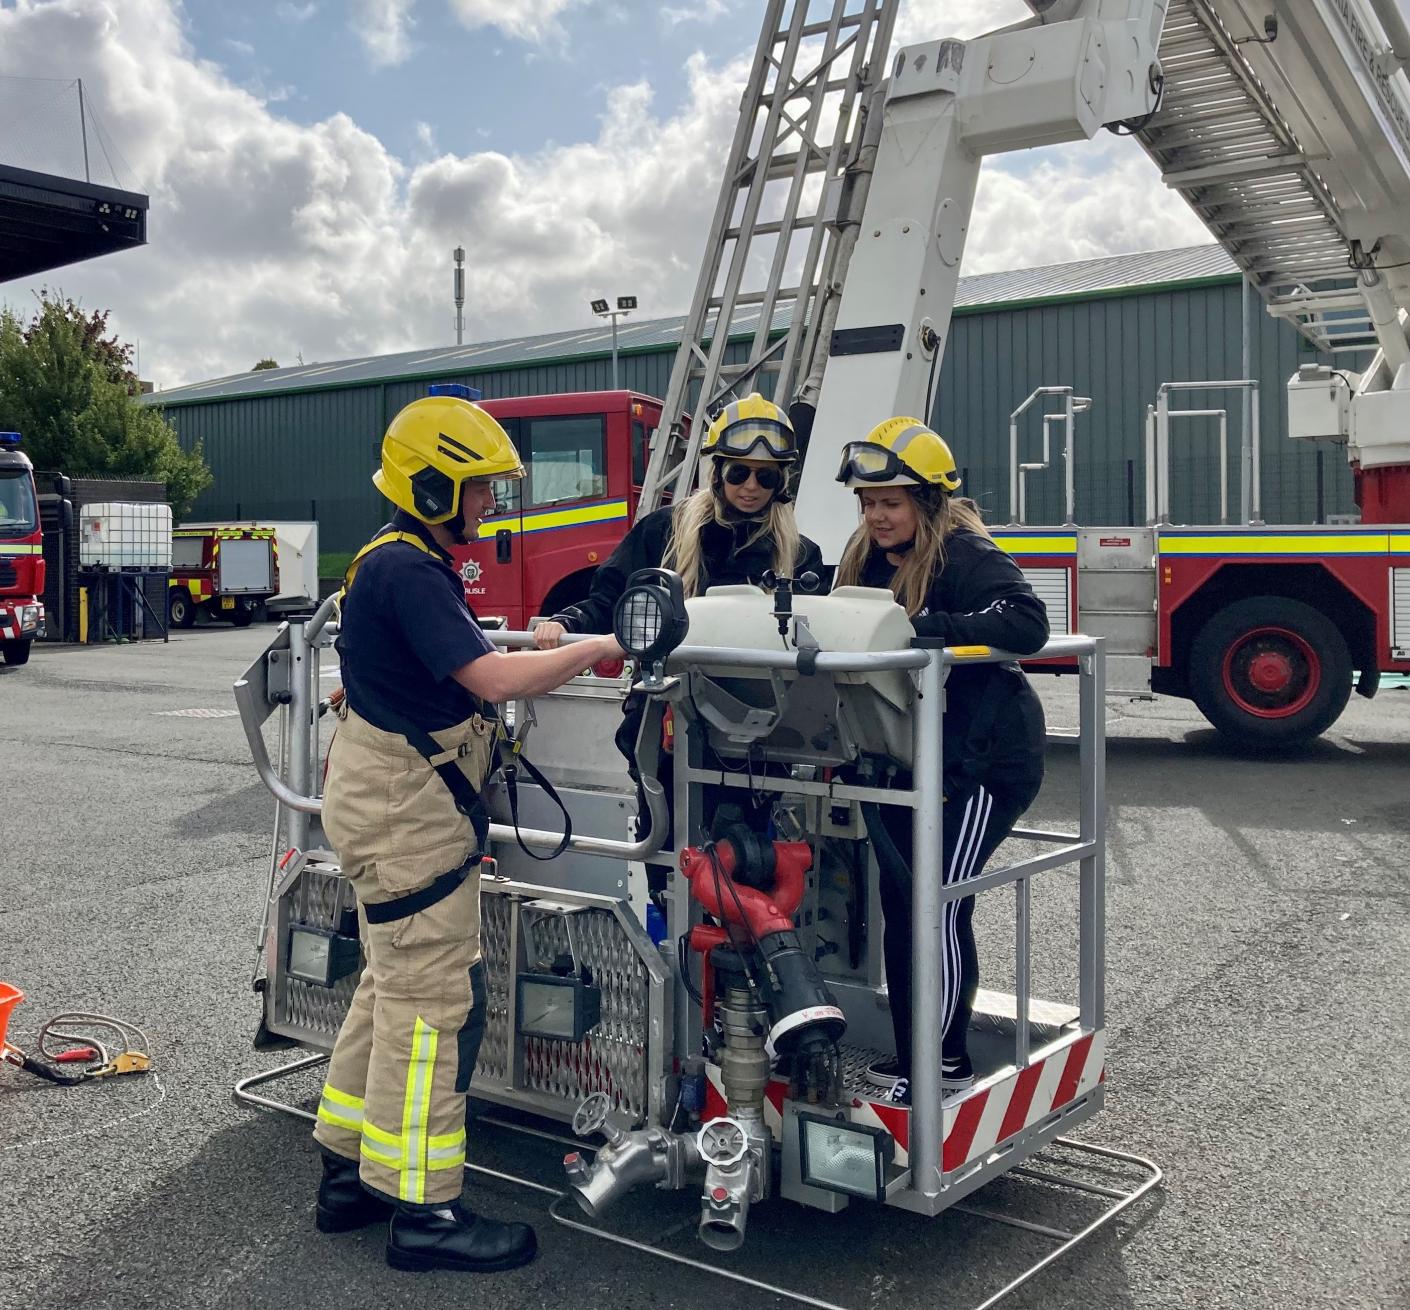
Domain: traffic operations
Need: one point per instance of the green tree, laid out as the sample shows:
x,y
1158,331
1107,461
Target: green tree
x,y
68,386
264,363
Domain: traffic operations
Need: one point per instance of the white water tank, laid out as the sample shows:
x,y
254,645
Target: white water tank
x,y
818,719
122,535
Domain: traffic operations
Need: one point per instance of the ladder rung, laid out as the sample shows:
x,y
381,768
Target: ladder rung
x,y
821,29
771,229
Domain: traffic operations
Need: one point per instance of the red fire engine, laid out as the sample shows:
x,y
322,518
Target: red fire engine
x,y
21,553
228,572
585,454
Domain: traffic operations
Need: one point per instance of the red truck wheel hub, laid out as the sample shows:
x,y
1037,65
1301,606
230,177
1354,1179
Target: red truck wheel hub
x,y
1271,673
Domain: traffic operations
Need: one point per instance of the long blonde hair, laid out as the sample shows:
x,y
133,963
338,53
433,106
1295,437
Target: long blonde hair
x,y
688,522
911,582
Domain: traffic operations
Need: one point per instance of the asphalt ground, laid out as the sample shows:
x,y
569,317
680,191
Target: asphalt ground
x,y
1259,1049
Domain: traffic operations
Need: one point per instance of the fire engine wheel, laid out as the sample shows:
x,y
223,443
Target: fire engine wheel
x,y
16,652
179,610
1269,671
242,615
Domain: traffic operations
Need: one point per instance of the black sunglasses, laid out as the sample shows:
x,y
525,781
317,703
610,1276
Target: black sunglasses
x,y
769,479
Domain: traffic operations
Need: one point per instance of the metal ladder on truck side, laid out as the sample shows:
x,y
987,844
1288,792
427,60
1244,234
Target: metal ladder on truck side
x,y
797,169
1219,140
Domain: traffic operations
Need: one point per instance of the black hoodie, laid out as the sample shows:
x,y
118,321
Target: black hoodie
x,y
993,719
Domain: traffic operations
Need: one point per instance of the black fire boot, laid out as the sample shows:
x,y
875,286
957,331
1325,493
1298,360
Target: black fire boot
x,y
343,1203
454,1238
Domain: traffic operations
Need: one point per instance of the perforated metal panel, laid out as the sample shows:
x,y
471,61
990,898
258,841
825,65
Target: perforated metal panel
x,y
612,1058
317,898
496,1050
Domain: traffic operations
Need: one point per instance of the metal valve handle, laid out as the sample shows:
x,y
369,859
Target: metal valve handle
x,y
591,1116
723,1142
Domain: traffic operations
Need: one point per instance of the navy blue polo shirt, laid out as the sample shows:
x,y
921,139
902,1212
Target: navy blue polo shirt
x,y
406,629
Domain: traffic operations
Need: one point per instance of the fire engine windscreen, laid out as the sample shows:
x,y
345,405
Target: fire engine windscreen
x,y
18,513
818,719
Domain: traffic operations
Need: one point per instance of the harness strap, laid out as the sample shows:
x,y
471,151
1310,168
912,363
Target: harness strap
x,y
513,761
504,753
403,907
467,799
385,539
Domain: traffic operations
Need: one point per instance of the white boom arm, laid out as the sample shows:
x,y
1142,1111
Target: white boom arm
x,y
1284,123
1075,66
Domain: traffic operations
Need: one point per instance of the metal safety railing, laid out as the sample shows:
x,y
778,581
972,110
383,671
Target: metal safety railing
x,y
1158,420
286,677
928,1180
1018,472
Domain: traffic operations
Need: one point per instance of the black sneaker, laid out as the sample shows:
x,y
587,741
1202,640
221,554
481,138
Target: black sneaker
x,y
456,1238
900,1093
956,1075
885,1072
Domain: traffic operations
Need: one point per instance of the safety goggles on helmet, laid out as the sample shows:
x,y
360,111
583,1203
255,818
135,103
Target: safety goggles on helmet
x,y
756,439
751,428
769,479
863,461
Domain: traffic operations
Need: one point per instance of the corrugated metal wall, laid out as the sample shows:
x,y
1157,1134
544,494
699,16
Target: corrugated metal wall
x,y
311,454
1118,351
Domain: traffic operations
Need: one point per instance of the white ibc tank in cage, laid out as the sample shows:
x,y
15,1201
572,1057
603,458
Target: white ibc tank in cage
x,y
120,535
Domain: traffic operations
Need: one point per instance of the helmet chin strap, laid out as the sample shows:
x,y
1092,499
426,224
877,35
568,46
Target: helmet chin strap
x,y
456,526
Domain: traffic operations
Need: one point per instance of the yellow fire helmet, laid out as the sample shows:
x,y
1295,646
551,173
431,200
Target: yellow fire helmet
x,y
901,452
432,447
752,428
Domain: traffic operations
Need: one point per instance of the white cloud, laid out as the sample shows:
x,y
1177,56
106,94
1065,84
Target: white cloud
x,y
296,13
929,20
269,237
1074,202
384,28
705,11
529,20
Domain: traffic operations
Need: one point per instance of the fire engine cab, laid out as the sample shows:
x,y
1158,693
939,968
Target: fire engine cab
x,y
21,553
585,456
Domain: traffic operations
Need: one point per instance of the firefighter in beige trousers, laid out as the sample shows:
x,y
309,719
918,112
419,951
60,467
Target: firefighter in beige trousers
x,y
416,739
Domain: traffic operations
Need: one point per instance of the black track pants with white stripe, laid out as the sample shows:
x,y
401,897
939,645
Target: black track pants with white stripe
x,y
977,818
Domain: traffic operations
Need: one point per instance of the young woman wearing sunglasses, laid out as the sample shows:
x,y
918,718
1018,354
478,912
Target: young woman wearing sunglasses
x,y
734,530
934,553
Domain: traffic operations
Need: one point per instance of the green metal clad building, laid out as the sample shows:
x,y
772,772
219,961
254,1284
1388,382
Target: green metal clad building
x,y
297,443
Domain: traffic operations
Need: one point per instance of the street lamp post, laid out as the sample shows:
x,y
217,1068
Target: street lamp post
x,y
458,254
625,305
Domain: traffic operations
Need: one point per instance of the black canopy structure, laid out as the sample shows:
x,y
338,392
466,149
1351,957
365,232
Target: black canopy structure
x,y
47,221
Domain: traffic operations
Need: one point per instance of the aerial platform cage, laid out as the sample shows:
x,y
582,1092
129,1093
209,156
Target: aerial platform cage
x,y
615,903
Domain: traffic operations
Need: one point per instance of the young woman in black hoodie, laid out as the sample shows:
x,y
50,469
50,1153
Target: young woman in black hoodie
x,y
735,530
934,553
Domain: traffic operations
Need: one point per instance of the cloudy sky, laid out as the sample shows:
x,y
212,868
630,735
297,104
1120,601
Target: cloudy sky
x,y
311,163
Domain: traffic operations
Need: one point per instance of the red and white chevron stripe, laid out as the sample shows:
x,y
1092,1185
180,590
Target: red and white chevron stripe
x,y
976,1123
973,1124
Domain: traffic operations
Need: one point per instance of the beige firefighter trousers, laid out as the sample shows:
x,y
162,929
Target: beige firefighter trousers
x,y
395,1095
